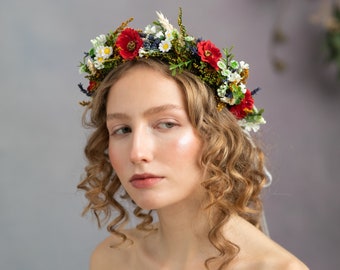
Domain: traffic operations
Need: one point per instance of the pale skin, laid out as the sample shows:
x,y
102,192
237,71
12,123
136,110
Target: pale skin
x,y
152,138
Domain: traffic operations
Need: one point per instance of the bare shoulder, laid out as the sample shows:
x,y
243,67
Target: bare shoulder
x,y
281,259
112,254
257,251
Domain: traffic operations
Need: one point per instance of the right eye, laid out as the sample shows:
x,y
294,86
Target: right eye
x,y
121,131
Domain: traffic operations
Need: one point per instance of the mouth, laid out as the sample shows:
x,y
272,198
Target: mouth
x,y
145,180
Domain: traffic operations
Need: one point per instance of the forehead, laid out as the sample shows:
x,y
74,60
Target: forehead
x,y
143,87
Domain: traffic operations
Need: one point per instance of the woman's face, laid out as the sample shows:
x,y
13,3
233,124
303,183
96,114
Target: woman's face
x,y
153,147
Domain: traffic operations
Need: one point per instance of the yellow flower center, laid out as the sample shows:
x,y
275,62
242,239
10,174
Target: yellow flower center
x,y
207,53
107,51
165,46
131,46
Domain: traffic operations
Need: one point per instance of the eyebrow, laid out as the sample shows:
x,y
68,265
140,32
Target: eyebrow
x,y
150,111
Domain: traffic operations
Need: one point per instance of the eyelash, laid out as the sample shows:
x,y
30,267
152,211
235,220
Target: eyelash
x,y
121,130
165,125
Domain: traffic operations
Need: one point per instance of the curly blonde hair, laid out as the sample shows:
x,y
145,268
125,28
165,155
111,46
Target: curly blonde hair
x,y
233,165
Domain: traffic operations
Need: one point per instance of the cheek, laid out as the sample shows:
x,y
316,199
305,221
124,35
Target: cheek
x,y
188,147
114,159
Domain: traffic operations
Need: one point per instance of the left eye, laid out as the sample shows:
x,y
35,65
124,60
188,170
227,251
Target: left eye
x,y
166,125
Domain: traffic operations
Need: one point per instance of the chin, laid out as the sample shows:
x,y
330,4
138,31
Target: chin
x,y
152,202
148,204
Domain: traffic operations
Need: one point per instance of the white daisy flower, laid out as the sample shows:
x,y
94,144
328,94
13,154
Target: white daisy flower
x,y
168,35
165,46
99,62
104,51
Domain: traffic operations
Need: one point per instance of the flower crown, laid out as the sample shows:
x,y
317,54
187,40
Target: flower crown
x,y
225,76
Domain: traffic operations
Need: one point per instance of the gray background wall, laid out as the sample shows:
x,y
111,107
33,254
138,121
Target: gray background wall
x,y
42,139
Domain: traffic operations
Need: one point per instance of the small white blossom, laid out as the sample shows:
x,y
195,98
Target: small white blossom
x,y
142,52
243,88
221,65
262,121
251,126
165,46
226,73
221,91
234,77
159,34
98,41
189,38
150,29
244,65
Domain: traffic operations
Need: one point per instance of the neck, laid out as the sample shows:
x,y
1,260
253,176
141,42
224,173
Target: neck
x,y
179,225
182,236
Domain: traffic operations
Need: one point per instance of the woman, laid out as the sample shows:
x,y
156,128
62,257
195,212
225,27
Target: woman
x,y
171,120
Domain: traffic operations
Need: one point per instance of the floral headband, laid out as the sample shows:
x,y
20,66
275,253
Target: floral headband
x,y
225,76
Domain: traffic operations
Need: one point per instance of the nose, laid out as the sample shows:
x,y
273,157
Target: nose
x,y
141,146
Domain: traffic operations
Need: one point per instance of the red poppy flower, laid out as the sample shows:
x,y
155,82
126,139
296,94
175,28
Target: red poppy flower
x,y
209,53
129,43
92,86
240,110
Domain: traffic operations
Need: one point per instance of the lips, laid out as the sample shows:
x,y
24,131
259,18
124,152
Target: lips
x,y
145,180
